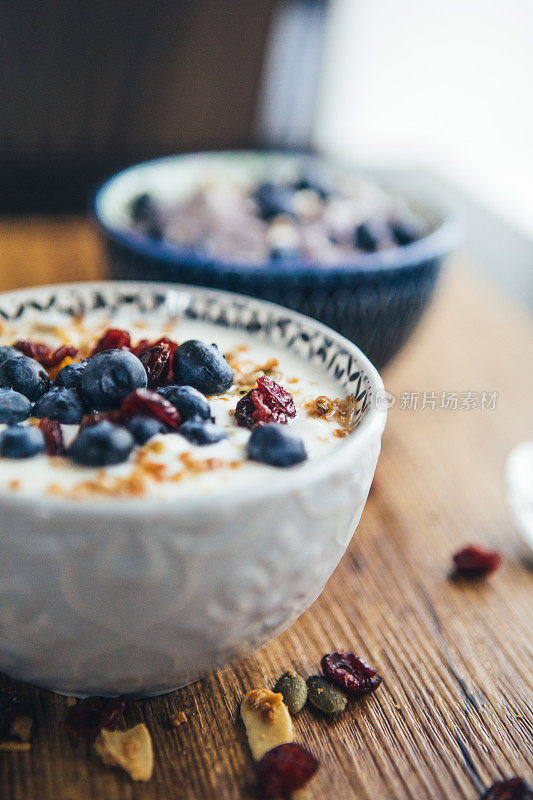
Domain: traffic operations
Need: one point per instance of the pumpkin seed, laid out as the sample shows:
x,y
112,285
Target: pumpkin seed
x,y
325,696
294,690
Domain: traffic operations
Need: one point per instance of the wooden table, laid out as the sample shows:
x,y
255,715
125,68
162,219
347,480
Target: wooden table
x,y
454,711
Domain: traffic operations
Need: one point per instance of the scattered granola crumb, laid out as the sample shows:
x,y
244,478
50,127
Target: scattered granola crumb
x,y
342,411
246,372
153,447
71,702
132,750
14,484
178,719
265,701
340,433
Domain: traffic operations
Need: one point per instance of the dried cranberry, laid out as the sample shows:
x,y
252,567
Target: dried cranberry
x,y
144,401
349,672
156,361
268,402
145,344
89,716
244,411
475,562
113,339
284,769
53,437
45,355
510,789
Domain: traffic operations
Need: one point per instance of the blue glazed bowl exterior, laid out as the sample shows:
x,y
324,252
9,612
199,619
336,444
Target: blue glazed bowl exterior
x,y
375,302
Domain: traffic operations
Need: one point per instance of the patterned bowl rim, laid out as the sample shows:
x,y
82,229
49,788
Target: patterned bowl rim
x,y
367,433
435,245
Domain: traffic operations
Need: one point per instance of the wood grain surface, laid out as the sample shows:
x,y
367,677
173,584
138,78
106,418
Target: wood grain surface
x,y
454,712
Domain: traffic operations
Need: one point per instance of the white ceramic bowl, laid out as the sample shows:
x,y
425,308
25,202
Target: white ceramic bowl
x,y
143,597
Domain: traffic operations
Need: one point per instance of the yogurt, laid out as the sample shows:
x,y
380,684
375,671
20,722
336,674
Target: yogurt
x,y
168,467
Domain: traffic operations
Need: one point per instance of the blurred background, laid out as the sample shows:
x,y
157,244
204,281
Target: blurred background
x,y
438,91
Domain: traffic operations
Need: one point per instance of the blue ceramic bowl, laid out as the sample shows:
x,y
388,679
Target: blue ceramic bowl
x,y
376,300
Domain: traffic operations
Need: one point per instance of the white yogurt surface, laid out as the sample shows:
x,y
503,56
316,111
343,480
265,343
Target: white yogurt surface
x,y
58,476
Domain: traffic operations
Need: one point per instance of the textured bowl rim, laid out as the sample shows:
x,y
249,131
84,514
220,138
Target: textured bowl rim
x,y
369,430
436,244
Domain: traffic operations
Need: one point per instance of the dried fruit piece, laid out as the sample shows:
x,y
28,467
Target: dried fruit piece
x,y
267,721
53,436
132,750
152,404
476,562
156,361
325,696
509,789
294,691
114,416
244,411
284,769
45,355
268,402
90,716
113,339
145,344
349,672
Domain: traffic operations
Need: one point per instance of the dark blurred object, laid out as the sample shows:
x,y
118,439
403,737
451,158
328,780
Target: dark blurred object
x,y
87,88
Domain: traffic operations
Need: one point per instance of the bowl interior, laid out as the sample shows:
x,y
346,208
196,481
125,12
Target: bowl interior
x,y
174,178
310,340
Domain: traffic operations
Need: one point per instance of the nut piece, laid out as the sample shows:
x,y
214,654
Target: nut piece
x,y
267,721
294,690
131,750
325,696
178,719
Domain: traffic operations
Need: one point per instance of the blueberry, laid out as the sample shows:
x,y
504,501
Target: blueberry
x,y
24,375
144,212
315,177
21,442
109,377
202,366
198,431
143,428
367,237
142,207
70,376
62,404
14,407
101,444
273,444
191,403
154,231
273,199
283,253
8,352
404,232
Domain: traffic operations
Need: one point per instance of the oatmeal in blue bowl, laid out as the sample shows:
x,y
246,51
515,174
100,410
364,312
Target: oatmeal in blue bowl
x,y
291,228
